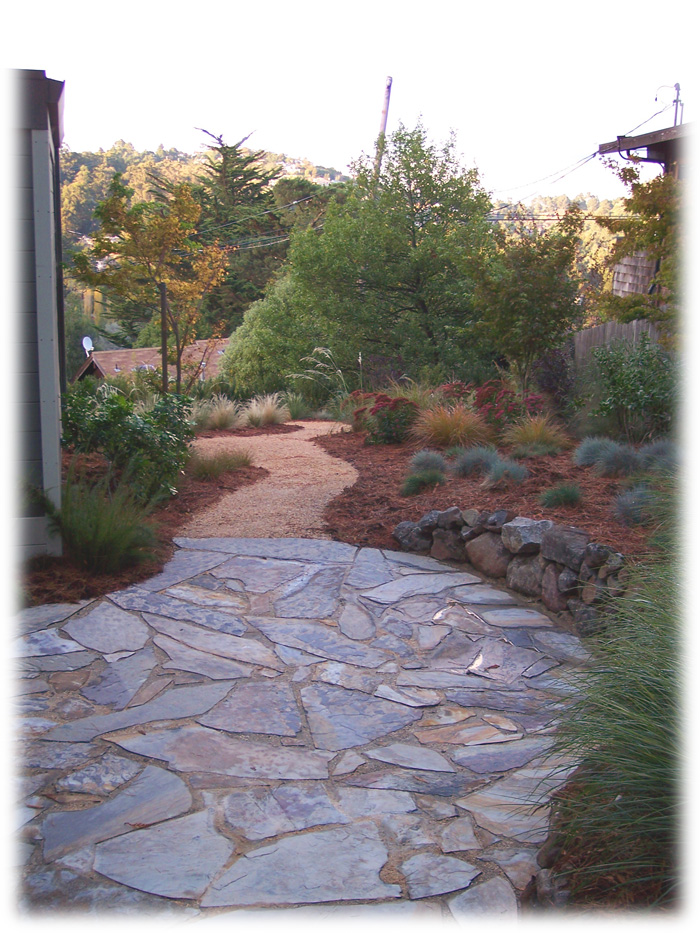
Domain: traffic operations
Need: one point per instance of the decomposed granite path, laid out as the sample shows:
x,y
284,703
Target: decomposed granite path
x,y
290,725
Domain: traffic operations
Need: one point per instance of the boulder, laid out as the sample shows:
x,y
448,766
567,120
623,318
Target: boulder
x,y
450,518
447,545
613,564
587,620
524,535
410,537
488,554
428,522
565,544
567,580
552,596
596,555
524,575
496,520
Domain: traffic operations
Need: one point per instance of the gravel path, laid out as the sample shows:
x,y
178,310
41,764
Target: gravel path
x,y
287,503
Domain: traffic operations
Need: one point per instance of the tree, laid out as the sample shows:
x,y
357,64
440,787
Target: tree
x,y
526,290
389,271
651,225
142,246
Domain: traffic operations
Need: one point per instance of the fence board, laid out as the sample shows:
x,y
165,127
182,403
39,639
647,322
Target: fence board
x,y
604,334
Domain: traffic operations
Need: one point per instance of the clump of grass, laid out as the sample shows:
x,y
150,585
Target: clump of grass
x,y
535,449
590,450
450,425
216,413
475,460
564,494
634,506
425,479
212,467
297,405
266,409
536,429
618,460
660,456
504,471
104,528
428,460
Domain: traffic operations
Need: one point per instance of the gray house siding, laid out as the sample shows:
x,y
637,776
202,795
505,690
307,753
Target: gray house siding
x,y
39,331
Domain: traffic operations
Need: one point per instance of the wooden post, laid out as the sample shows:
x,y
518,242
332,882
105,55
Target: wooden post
x,y
382,132
163,335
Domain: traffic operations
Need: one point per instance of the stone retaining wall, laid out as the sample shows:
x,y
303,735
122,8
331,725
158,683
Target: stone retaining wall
x,y
557,564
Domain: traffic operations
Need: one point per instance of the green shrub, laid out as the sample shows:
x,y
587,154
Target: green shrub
x,y
103,530
205,467
562,495
450,425
475,460
638,385
590,450
618,460
417,482
428,460
389,420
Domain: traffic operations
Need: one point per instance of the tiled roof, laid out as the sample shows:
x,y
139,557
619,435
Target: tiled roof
x,y
203,353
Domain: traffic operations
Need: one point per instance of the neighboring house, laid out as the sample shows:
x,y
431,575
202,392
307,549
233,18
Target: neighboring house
x,y
201,360
39,357
634,275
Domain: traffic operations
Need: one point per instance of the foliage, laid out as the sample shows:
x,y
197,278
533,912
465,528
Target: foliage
x,y
216,413
266,409
325,373
104,528
565,495
389,420
428,460
296,404
633,506
499,404
503,471
652,226
447,425
590,450
537,429
526,291
424,479
617,460
554,376
476,459
620,819
204,467
660,456
151,448
143,246
638,385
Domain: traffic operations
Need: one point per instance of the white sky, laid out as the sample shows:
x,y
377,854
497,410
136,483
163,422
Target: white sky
x,y
529,89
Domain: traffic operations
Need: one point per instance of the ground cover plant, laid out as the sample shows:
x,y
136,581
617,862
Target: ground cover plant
x,y
211,466
563,494
423,479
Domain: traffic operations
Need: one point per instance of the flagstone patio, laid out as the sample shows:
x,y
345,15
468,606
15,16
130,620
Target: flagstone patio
x,y
271,723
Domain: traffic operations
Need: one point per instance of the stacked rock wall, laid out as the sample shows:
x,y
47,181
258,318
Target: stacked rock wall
x,y
557,564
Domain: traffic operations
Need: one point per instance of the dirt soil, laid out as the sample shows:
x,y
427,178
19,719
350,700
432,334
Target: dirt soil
x,y
365,513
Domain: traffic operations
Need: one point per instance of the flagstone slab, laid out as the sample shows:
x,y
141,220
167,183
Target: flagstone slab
x,y
419,561
184,658
120,681
328,865
481,594
316,599
347,675
492,695
410,756
102,776
266,708
225,645
256,814
355,622
340,718
176,703
422,782
528,618
47,755
305,549
318,639
58,662
434,679
429,636
107,629
227,600
197,748
409,829
498,660
38,617
390,642
184,565
519,864
563,646
45,642
369,569
307,806
428,875
458,836
408,696
295,657
488,899
153,796
143,601
473,732
347,763
417,584
137,858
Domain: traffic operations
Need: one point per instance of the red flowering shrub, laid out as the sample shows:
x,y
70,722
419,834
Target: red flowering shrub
x,y
500,406
456,391
389,419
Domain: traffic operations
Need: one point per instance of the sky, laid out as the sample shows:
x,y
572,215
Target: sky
x,y
529,90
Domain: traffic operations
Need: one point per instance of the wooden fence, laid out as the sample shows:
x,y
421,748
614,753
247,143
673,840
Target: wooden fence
x,y
604,334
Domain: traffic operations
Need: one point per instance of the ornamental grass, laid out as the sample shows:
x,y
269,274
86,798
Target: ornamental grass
x,y
425,479
205,467
540,429
266,409
449,426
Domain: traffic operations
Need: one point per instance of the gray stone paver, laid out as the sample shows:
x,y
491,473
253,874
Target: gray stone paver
x,y
271,723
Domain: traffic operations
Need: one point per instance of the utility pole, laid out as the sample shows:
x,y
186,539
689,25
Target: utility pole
x,y
163,335
382,132
677,101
